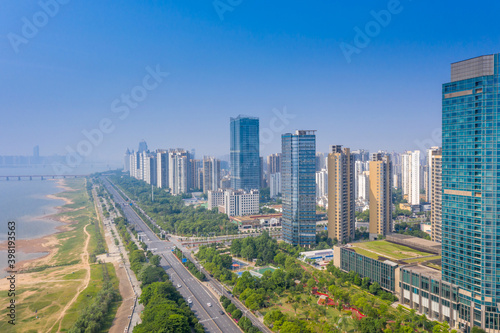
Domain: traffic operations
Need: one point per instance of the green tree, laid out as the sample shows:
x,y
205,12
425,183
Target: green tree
x,y
290,327
295,306
237,314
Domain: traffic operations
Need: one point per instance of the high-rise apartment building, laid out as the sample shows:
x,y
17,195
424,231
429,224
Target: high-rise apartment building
x,y
162,168
320,161
298,187
195,170
321,183
211,174
363,186
150,173
275,185
341,199
436,193
143,146
361,155
380,195
178,174
471,189
359,168
135,165
244,153
274,163
126,161
411,176
262,173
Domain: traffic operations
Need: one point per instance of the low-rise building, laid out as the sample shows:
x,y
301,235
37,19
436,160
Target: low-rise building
x,y
234,203
215,198
318,256
383,272
415,280
257,221
423,289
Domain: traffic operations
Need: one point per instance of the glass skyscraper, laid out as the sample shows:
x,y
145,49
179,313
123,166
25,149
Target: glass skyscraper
x,y
244,154
471,189
298,187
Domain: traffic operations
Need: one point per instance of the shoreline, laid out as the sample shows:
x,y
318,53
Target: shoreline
x,y
46,244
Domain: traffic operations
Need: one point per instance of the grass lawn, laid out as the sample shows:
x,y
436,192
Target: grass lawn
x,y
87,296
390,250
423,259
366,253
431,265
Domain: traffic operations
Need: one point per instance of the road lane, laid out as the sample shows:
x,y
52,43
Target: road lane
x,y
209,316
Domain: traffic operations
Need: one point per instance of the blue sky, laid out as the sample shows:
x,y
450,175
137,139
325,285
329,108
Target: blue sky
x,y
261,57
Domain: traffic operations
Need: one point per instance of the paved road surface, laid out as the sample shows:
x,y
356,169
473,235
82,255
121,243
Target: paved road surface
x,y
191,288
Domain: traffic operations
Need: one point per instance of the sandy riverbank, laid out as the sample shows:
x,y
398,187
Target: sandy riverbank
x,y
46,244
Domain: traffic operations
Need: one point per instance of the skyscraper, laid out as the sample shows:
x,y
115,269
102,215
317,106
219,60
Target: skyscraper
x,y
275,185
162,168
436,193
471,189
195,170
274,163
178,174
320,161
126,161
298,186
411,176
361,155
244,153
149,162
211,174
380,195
143,146
321,183
341,199
135,165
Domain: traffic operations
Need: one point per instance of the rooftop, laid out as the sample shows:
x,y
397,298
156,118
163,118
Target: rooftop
x,y
416,242
383,250
426,271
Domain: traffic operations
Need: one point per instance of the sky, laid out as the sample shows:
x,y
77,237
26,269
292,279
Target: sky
x,y
96,77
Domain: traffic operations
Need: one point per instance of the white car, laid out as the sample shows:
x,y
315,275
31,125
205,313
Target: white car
x,y
209,304
178,286
190,301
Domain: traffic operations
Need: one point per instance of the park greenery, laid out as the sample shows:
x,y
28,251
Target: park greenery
x,y
411,229
170,212
286,296
263,248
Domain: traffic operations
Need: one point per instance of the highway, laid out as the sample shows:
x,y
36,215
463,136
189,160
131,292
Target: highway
x,y
191,288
